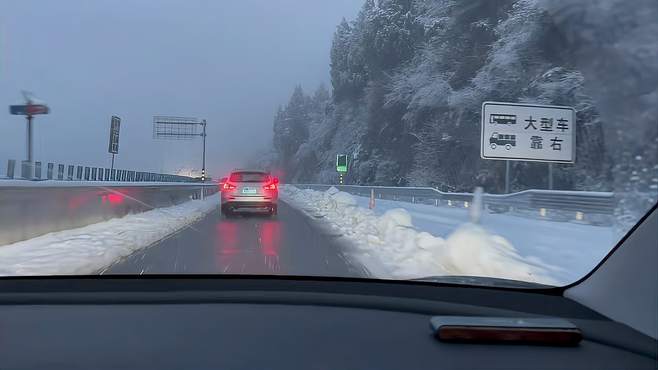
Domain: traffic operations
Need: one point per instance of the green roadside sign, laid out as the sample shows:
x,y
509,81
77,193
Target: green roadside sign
x,y
341,163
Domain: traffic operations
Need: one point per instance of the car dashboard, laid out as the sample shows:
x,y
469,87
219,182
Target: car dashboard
x,y
285,323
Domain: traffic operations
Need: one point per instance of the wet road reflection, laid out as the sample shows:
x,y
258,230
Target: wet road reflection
x,y
251,244
247,241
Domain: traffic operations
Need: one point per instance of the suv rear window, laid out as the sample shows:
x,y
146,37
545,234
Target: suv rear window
x,y
249,177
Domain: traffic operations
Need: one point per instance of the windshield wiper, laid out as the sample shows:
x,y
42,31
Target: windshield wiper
x,y
483,281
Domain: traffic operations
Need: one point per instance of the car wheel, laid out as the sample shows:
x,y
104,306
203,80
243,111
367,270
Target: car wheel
x,y
508,147
226,212
493,145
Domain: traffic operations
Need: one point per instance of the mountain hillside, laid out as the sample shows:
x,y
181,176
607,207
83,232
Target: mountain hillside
x,y
408,79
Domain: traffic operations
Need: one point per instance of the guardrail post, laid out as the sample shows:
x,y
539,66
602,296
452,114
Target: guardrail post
x,y
26,170
87,173
93,173
71,169
37,170
49,171
78,173
60,172
11,166
371,203
475,211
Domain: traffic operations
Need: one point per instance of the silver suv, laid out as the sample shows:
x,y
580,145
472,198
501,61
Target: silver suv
x,y
250,191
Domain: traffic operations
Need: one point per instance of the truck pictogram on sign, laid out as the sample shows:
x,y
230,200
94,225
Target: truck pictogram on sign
x,y
528,132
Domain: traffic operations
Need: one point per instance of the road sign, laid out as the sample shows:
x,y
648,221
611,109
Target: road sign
x,y
528,132
115,126
181,128
341,163
29,109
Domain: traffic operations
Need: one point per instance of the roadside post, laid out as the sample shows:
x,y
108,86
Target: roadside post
x,y
341,167
528,132
29,110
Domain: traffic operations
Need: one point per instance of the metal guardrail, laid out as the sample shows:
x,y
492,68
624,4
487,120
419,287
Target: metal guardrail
x,y
588,207
32,208
62,172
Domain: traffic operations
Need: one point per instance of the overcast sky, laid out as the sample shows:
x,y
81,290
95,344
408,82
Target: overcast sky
x,y
230,62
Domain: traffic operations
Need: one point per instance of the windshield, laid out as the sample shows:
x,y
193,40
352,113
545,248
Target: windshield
x,y
249,177
472,142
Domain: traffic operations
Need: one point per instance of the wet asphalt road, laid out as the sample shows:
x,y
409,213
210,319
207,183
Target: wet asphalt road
x,y
287,244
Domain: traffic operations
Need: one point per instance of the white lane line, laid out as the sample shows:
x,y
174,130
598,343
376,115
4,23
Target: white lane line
x,y
226,268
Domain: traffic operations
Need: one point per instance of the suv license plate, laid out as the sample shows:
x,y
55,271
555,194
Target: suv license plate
x,y
248,191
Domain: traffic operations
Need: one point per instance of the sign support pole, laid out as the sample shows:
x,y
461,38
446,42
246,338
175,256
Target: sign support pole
x,y
550,176
203,165
29,138
29,110
507,171
30,152
111,168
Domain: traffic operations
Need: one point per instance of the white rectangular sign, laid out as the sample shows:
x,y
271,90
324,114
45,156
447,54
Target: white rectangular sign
x,y
528,132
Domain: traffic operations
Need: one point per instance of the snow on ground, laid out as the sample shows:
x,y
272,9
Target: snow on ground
x,y
90,249
567,251
390,246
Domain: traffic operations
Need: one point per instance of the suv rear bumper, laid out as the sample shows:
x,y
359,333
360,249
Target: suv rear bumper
x,y
246,201
237,205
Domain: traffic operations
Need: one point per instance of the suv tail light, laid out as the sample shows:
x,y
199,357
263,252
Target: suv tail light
x,y
228,186
272,185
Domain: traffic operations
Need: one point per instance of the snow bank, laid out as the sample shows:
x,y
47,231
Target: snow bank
x,y
89,249
390,247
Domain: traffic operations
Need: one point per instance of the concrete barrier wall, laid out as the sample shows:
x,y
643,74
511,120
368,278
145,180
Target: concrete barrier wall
x,y
30,209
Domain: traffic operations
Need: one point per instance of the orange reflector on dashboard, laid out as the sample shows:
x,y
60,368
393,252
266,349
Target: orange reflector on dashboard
x,y
542,331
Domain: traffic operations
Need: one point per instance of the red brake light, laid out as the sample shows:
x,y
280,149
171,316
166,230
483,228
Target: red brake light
x,y
272,185
228,186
